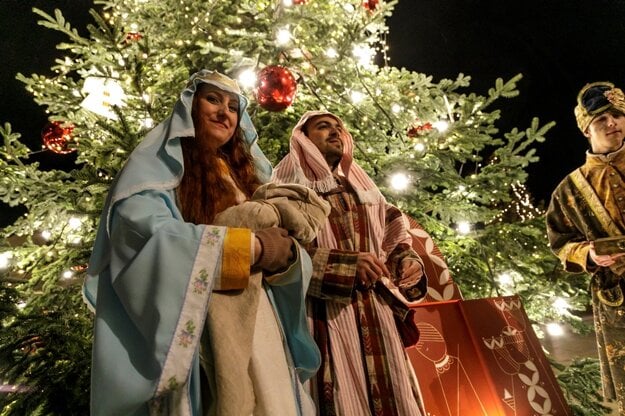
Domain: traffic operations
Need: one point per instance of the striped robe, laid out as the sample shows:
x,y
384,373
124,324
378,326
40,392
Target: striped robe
x,y
364,369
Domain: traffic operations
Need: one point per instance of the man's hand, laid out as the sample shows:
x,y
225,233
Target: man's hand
x,y
369,269
603,260
411,271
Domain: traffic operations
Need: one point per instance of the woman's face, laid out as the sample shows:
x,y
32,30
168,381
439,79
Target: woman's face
x,y
215,115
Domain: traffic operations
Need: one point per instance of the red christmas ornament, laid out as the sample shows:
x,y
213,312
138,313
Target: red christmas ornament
x,y
415,131
276,88
300,1
370,5
133,37
57,136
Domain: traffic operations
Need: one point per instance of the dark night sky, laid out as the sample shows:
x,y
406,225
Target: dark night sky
x,y
557,45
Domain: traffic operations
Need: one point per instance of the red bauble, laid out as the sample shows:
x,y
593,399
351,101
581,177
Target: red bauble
x,y
57,136
276,88
133,37
419,130
300,1
370,5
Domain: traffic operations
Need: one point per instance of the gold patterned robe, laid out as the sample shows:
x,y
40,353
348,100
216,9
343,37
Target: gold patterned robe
x,y
589,204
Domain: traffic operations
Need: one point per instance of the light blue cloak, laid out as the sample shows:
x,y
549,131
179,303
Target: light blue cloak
x,y
151,274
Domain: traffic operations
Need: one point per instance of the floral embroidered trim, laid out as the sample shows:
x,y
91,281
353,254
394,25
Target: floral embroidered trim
x,y
179,358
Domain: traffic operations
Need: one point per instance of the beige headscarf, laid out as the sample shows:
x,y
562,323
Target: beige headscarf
x,y
596,98
304,164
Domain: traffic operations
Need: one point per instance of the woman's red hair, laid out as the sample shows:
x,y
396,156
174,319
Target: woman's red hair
x,y
203,191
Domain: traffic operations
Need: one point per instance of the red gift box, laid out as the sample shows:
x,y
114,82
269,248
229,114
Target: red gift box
x,y
476,357
481,357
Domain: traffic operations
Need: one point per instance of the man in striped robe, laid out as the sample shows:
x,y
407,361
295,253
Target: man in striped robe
x,y
361,252
590,204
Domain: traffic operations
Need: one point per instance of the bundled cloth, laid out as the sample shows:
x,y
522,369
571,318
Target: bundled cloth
x,y
294,207
300,211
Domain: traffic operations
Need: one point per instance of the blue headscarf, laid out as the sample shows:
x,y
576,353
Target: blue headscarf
x,y
157,162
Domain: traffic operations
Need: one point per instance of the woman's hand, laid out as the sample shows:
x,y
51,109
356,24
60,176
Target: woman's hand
x,y
274,248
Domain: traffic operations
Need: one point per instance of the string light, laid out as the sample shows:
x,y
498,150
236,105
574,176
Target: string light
x,y
332,53
463,228
505,279
283,36
74,223
357,97
247,78
4,260
441,125
561,306
364,54
102,95
555,329
400,181
420,147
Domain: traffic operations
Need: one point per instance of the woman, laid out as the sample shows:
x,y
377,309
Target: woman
x,y
186,321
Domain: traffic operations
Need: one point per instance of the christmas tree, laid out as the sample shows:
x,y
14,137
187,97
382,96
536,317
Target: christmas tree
x,y
433,147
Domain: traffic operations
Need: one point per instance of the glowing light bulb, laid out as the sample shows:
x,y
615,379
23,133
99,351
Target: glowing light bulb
x,y
247,78
283,36
147,123
464,227
67,274
357,97
332,53
561,306
505,279
400,181
4,259
555,329
74,223
441,125
364,54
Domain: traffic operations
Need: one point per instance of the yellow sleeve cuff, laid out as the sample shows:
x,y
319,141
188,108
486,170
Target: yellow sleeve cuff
x,y
235,261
